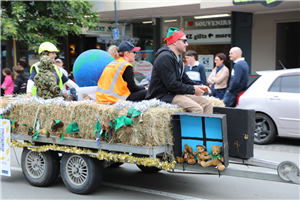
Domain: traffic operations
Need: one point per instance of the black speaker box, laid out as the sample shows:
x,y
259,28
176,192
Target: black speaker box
x,y
240,130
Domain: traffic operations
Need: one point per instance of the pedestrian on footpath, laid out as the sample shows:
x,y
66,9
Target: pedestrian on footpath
x,y
170,83
20,82
218,78
194,70
8,84
239,77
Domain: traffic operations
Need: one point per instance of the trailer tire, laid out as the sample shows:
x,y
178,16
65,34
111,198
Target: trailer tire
x,y
40,168
80,173
148,169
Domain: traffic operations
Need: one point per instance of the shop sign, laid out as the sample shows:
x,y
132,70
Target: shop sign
x,y
208,62
101,28
208,23
208,36
143,66
266,3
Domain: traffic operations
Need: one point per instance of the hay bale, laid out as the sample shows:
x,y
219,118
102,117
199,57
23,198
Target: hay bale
x,y
23,113
5,100
149,129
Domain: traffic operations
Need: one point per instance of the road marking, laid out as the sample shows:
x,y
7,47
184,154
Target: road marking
x,y
167,194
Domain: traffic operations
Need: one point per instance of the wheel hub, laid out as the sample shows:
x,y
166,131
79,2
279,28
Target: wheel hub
x,y
77,170
35,164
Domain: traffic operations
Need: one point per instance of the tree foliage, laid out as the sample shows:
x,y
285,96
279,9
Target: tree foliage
x,y
34,22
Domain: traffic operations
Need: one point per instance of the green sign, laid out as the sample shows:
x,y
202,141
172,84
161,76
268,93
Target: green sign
x,y
266,3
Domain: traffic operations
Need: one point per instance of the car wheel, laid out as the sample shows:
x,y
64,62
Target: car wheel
x,y
265,130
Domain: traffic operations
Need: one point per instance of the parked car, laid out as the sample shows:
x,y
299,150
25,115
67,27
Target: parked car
x,y
275,96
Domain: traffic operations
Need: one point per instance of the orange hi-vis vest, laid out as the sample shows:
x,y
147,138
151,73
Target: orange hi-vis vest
x,y
111,86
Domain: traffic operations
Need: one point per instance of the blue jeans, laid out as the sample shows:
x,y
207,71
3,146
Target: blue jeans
x,y
229,99
218,93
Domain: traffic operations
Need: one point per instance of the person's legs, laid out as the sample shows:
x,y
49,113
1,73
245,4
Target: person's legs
x,y
137,96
203,102
220,93
187,103
229,99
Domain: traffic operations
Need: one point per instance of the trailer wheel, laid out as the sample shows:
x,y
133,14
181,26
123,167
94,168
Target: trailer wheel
x,y
80,173
40,168
148,169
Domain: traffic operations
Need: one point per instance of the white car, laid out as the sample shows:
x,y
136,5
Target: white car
x,y
275,96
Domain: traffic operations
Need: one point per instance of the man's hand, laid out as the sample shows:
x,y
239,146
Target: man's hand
x,y
205,88
28,95
198,90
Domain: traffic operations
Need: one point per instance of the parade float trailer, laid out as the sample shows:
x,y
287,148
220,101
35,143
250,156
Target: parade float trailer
x,y
79,139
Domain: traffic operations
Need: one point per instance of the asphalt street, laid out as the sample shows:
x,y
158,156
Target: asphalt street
x,y
128,182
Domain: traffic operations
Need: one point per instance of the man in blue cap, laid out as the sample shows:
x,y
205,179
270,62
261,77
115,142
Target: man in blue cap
x,y
117,79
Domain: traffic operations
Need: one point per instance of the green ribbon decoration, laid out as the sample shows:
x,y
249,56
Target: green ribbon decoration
x,y
104,135
217,157
62,136
133,112
73,128
97,127
30,129
121,121
35,134
56,122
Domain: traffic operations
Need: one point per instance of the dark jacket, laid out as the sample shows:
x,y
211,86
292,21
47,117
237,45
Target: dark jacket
x,y
20,84
166,79
239,77
26,73
2,77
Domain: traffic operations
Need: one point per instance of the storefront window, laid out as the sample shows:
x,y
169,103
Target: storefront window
x,y
208,37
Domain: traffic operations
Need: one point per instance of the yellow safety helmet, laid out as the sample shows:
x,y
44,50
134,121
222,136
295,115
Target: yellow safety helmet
x,y
47,46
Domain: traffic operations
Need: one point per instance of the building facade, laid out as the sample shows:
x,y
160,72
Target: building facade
x,y
268,32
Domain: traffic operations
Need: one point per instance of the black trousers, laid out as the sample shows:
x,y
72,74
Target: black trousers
x,y
137,96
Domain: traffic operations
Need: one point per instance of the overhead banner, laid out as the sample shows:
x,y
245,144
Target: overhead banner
x,y
209,36
5,147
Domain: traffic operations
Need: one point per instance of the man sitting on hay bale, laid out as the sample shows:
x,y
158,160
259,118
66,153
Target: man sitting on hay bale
x,y
170,83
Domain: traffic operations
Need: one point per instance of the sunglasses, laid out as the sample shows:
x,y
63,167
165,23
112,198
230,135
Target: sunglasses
x,y
184,40
134,52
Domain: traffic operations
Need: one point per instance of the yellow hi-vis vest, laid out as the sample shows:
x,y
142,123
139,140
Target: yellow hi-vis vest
x,y
57,70
111,85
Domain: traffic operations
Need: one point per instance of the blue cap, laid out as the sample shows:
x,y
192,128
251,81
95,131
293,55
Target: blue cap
x,y
128,46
